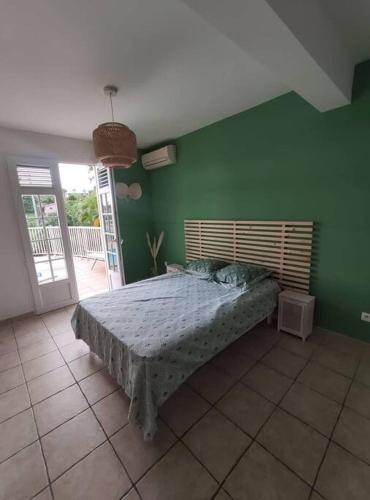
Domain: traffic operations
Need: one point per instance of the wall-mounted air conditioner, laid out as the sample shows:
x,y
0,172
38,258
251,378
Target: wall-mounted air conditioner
x,y
159,157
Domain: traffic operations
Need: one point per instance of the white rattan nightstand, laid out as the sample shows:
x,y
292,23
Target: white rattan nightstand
x,y
296,312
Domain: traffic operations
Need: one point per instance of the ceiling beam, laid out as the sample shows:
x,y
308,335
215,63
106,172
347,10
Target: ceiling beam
x,y
294,39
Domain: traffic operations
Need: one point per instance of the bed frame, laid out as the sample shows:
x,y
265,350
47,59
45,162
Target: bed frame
x,y
285,247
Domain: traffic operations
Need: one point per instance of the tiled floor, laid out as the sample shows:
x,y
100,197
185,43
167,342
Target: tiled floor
x,y
90,281
270,418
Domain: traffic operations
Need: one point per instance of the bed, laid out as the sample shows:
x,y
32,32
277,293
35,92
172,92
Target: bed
x,y
153,334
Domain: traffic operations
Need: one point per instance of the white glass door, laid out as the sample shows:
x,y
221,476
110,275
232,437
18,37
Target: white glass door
x,y
39,205
110,233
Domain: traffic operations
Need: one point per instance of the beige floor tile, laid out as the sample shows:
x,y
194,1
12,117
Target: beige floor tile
x,y
317,336
74,350
363,372
311,407
320,335
182,409
297,445
343,343
222,495
217,443
6,330
353,433
57,321
138,455
358,399
246,408
30,331
28,465
259,476
365,349
284,362
7,344
62,331
6,333
70,310
342,476
30,338
345,364
36,350
253,345
13,402
211,383
86,365
97,386
268,382
70,442
178,476
44,495
263,330
234,364
321,379
9,360
58,408
131,495
28,326
316,496
17,433
11,378
64,339
98,476
42,387
112,411
296,346
44,364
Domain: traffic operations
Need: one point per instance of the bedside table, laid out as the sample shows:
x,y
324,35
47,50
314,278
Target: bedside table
x,y
174,268
296,312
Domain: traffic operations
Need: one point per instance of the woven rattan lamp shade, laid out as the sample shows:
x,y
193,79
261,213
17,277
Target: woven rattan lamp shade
x,y
115,145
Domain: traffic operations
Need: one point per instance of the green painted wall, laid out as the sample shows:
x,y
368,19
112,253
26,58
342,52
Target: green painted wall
x,y
280,160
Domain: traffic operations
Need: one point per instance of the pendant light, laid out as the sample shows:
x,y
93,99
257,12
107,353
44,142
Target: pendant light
x,y
114,143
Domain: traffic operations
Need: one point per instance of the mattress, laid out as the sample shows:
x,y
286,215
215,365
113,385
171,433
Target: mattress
x,y
153,334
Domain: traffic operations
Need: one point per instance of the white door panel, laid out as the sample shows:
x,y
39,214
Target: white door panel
x,y
108,223
39,205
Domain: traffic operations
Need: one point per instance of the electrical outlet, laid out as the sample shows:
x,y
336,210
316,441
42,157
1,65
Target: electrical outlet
x,y
365,316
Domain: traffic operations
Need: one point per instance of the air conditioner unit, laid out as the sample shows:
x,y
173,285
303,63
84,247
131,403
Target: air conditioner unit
x,y
159,158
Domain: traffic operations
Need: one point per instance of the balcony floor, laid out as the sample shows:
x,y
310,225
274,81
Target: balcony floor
x,y
90,281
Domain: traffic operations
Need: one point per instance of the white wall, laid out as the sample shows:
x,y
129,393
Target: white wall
x,y
15,290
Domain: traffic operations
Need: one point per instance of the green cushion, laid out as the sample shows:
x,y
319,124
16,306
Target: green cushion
x,y
242,275
205,266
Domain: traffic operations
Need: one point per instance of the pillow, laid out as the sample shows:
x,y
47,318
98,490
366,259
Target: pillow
x,y
242,275
205,266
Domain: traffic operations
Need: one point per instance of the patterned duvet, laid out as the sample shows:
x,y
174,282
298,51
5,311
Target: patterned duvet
x,y
153,334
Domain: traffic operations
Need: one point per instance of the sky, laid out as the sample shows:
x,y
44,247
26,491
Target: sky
x,y
75,178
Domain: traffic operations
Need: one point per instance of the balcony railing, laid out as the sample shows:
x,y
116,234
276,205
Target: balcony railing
x,y
85,240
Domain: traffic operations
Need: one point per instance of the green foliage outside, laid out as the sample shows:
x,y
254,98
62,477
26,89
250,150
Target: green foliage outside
x,y
82,209
33,204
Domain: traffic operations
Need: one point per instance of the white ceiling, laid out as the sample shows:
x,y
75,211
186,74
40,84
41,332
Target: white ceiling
x,y
352,19
175,71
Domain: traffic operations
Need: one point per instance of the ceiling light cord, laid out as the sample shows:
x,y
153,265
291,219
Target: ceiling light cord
x,y
111,105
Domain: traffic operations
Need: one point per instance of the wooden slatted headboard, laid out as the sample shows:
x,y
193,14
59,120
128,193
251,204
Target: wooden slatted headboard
x,y
285,247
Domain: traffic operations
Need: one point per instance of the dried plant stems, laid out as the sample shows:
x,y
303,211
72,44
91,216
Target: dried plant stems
x,y
154,249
